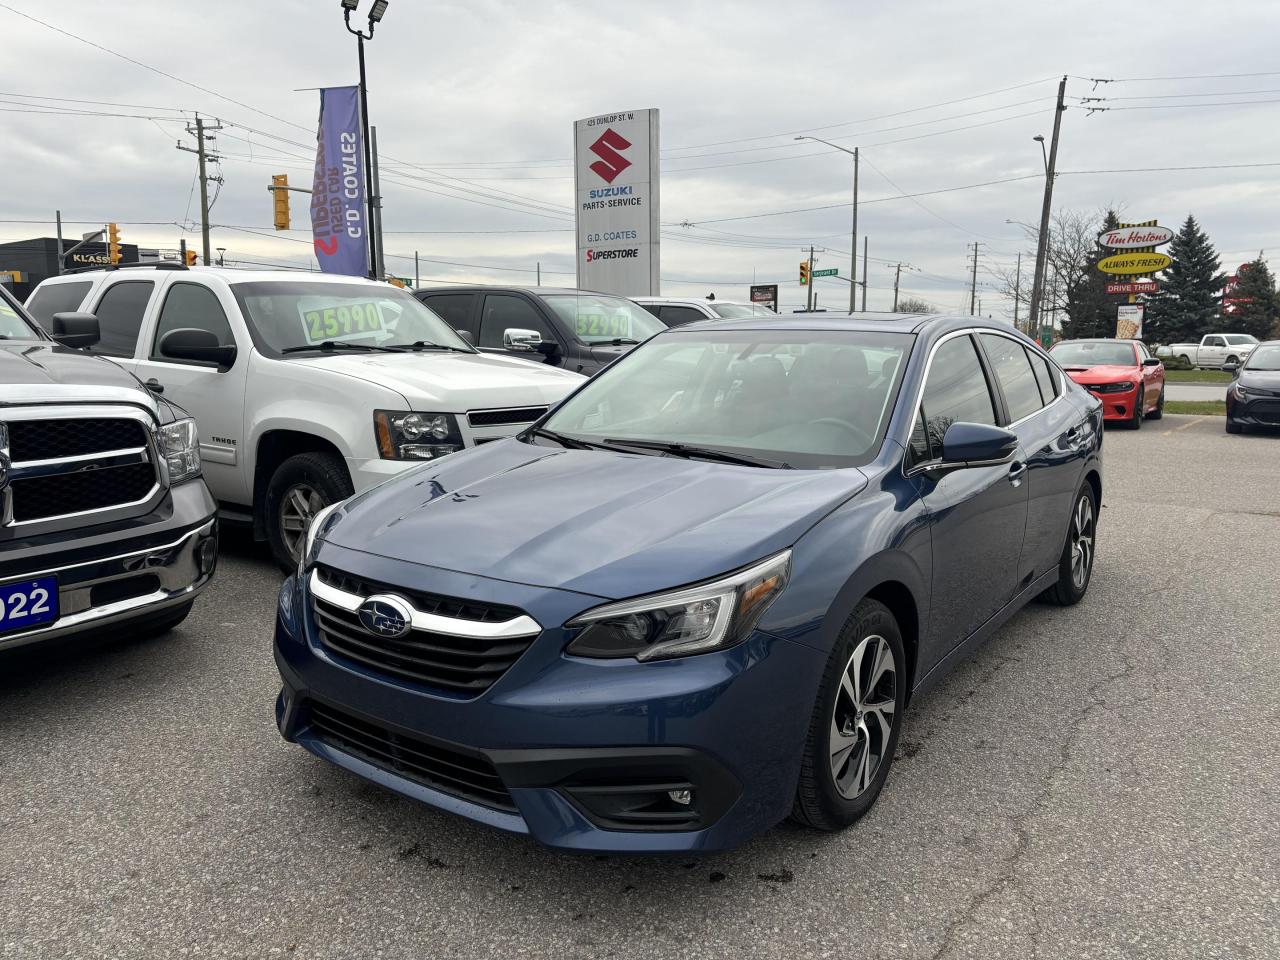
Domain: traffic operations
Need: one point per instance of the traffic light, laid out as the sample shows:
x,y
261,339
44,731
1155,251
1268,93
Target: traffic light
x,y
804,273
113,243
280,196
192,258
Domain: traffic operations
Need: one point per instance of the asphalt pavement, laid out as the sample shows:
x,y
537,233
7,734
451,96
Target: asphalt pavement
x,y
1096,782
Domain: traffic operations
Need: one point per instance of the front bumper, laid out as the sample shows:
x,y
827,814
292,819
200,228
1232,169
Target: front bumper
x,y
1117,406
109,580
561,748
1256,411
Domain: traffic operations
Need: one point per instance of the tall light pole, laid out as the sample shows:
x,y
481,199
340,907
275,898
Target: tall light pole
x,y
372,200
853,240
1042,245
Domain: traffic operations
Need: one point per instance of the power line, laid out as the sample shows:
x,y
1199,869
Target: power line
x,y
1194,76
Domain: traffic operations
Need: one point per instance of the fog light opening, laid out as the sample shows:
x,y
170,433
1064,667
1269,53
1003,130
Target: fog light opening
x,y
682,797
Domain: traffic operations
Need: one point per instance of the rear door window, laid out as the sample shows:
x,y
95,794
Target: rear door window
x,y
1044,377
453,308
54,298
1013,371
673,315
120,311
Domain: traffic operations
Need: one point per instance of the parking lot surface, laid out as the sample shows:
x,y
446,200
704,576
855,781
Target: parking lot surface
x,y
1096,782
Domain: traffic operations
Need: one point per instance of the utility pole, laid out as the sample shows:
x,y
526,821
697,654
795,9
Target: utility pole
x,y
379,261
810,284
1042,251
416,282
973,284
897,275
58,216
1017,290
864,277
202,132
853,248
539,273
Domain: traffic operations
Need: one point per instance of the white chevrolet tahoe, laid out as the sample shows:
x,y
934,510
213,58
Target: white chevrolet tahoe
x,y
305,387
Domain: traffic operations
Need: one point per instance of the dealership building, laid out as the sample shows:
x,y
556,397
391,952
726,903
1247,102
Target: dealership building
x,y
24,263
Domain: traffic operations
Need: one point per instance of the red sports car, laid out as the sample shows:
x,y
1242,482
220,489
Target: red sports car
x,y
1121,373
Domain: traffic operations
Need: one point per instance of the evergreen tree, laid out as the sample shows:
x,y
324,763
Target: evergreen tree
x,y
1260,315
1091,311
1187,306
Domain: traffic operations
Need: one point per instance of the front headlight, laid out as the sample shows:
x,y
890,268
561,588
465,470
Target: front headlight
x,y
1115,387
180,447
1240,392
405,435
710,616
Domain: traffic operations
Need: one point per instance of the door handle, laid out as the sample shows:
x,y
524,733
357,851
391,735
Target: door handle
x,y
1017,471
154,385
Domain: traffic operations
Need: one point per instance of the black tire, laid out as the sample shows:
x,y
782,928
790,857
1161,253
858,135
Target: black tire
x,y
1232,359
160,623
1158,412
1135,420
1187,360
820,802
1233,427
324,475
1070,590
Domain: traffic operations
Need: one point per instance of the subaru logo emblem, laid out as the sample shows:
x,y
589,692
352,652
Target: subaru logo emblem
x,y
385,616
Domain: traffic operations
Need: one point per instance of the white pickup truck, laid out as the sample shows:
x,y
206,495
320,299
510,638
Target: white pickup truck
x,y
1214,350
306,388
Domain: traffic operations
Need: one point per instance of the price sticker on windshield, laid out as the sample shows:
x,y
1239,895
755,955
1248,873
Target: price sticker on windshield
x,y
600,325
344,321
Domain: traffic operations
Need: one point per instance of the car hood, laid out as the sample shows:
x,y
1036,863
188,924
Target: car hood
x,y
35,371
1103,373
1260,380
454,382
597,522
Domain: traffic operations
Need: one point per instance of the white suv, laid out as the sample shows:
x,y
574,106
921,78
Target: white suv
x,y
305,387
675,311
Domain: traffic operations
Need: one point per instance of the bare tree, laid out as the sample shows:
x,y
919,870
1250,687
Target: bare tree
x,y
915,305
1072,241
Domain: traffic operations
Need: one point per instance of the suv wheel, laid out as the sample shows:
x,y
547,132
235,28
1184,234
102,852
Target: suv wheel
x,y
301,487
854,729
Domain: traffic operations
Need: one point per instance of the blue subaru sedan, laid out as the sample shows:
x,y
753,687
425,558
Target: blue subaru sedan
x,y
698,596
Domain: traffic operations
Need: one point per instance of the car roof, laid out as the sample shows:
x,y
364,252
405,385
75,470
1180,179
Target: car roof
x,y
1100,340
232,275
701,301
500,288
868,321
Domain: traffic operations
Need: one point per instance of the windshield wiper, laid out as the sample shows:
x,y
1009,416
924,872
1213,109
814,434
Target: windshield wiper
x,y
688,451
328,346
615,342
572,443
428,345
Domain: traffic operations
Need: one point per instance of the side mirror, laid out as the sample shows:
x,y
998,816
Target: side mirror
x,y
75,329
1151,362
200,346
977,445
517,338
466,335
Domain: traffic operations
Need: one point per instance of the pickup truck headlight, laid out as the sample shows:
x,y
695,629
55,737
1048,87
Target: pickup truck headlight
x,y
405,435
180,447
698,619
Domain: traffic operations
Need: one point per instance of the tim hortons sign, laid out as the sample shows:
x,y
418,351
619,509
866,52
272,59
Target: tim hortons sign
x,y
1135,238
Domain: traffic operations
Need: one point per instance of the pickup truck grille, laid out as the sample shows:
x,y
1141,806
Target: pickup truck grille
x,y
59,466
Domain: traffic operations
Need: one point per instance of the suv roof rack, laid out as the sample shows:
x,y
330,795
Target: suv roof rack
x,y
154,264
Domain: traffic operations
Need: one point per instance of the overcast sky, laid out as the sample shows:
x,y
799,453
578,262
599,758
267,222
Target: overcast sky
x,y
474,103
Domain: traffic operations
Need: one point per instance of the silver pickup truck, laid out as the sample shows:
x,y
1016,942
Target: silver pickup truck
x,y
1214,351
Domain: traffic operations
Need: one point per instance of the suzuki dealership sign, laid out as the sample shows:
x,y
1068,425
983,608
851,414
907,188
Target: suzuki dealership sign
x,y
616,199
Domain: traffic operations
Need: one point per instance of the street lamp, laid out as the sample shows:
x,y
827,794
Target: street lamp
x,y
853,242
222,262
1044,156
372,201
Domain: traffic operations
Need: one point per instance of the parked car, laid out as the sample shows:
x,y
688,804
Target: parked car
x,y
1214,351
701,592
673,311
1120,373
306,387
1253,399
574,329
105,524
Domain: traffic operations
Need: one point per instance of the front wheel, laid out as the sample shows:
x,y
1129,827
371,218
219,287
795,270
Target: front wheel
x,y
300,488
1075,566
1232,360
1135,421
854,729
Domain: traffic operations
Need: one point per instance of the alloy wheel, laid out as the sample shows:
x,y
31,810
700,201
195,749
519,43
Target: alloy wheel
x,y
298,508
1082,541
862,716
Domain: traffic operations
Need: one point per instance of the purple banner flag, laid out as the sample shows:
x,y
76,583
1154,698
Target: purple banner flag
x,y
338,225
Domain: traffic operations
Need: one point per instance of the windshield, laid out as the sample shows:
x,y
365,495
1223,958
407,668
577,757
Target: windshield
x,y
1265,358
13,324
1091,353
285,315
598,318
740,311
810,399
1240,339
